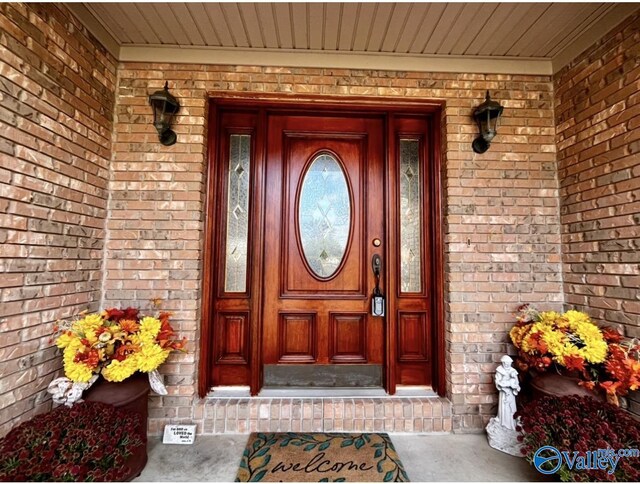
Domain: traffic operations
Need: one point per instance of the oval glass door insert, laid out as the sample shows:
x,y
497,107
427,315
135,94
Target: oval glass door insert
x,y
324,215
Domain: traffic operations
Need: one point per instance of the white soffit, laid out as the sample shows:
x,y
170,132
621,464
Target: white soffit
x,y
502,38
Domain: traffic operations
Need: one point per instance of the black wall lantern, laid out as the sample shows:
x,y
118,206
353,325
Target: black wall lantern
x,y
487,116
165,106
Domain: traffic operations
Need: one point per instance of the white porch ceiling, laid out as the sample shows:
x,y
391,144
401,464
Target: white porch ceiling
x,y
515,31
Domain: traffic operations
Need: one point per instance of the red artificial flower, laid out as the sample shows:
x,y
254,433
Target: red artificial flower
x,y
589,385
611,335
610,386
116,315
125,350
574,363
90,358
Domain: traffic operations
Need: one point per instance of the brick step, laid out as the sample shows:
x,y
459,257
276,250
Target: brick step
x,y
335,414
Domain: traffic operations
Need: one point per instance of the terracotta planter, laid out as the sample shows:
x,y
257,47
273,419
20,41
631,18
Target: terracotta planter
x,y
130,394
554,384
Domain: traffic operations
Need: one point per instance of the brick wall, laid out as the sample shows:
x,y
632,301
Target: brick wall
x,y
598,137
502,215
56,118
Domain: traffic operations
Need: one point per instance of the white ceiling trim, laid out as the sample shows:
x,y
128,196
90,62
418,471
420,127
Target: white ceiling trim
x,y
337,60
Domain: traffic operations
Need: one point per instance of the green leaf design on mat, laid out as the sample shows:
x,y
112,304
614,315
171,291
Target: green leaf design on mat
x,y
309,447
346,443
258,476
325,446
359,442
388,476
262,452
377,454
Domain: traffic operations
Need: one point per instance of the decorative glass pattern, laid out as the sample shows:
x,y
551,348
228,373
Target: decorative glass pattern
x,y
237,213
410,208
324,215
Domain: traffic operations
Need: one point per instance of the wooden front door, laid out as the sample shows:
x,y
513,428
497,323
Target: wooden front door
x,y
301,197
324,222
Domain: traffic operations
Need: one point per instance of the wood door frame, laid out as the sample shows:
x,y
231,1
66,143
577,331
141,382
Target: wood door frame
x,y
268,103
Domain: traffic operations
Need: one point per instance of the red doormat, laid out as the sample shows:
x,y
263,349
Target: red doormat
x,y
320,457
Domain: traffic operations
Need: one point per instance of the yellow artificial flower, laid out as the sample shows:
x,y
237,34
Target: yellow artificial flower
x,y
89,322
151,357
577,317
149,329
556,345
517,333
117,371
549,316
77,372
63,340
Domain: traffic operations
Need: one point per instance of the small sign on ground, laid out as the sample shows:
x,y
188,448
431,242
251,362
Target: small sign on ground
x,y
179,434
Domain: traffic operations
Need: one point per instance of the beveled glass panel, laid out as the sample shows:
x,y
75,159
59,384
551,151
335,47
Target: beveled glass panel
x,y
324,215
410,206
237,213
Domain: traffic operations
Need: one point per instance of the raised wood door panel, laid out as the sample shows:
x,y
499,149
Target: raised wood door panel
x,y
323,317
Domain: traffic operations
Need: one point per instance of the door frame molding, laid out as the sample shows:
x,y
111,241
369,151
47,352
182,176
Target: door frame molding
x,y
286,103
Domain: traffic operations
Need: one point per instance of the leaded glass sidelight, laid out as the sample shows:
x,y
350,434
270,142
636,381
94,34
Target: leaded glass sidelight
x,y
410,209
324,215
237,213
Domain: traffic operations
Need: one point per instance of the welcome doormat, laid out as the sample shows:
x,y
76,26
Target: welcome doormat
x,y
320,457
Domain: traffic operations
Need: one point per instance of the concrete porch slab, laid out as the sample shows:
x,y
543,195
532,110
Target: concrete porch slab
x,y
427,458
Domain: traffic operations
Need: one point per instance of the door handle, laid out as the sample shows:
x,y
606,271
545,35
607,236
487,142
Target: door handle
x,y
376,264
377,301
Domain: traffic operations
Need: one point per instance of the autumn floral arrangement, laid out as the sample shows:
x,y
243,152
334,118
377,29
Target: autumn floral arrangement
x,y
572,343
579,424
115,344
90,441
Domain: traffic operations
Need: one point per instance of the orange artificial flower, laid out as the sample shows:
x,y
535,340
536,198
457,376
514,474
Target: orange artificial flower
x,y
90,358
129,326
610,387
574,363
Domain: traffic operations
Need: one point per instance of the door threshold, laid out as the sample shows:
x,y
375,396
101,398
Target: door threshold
x,y
315,392
239,391
415,391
